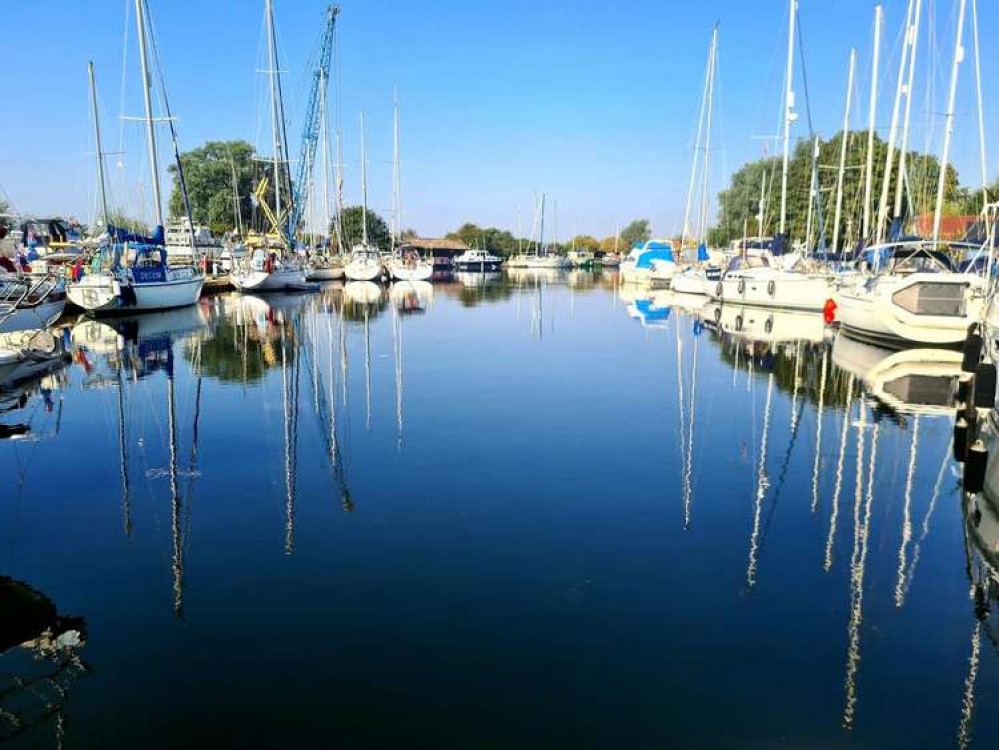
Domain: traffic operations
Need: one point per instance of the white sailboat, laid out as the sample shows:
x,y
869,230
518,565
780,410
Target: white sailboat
x,y
130,272
794,284
404,265
365,261
266,269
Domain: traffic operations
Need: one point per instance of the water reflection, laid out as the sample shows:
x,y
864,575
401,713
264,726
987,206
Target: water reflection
x,y
40,660
697,466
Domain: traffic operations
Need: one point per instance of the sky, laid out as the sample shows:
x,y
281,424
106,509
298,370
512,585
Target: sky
x,y
594,104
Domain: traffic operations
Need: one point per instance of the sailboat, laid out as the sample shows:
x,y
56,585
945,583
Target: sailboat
x,y
265,267
365,260
793,284
697,277
130,271
404,265
915,294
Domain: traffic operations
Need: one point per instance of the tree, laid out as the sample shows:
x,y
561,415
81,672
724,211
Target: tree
x,y
585,242
610,244
208,174
497,241
353,229
739,204
635,233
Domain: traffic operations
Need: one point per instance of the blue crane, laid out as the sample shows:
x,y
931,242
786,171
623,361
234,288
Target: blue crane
x,y
310,132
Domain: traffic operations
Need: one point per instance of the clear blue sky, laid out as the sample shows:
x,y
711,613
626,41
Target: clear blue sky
x,y
591,102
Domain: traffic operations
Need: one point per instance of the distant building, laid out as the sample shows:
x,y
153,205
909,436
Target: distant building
x,y
951,227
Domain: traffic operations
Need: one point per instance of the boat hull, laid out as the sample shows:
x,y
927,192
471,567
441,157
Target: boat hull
x,y
402,271
281,280
784,290
363,270
873,310
479,266
103,293
324,274
26,318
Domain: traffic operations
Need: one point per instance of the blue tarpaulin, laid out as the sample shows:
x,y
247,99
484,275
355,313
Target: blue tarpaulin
x,y
655,251
702,254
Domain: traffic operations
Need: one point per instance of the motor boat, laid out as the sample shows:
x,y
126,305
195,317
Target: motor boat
x,y
637,268
913,296
477,260
765,325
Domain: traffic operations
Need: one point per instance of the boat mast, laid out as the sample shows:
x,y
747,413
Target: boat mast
x,y
712,68
981,113
396,176
843,149
364,188
873,106
97,138
235,196
893,130
140,21
542,245
949,127
275,107
697,143
789,115
813,193
763,200
904,145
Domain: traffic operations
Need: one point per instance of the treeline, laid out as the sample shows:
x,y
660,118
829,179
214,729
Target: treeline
x,y
739,204
503,243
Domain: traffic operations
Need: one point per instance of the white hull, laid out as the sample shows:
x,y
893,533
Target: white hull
x,y
363,269
690,282
324,274
663,272
105,293
871,309
545,262
633,275
282,279
419,271
768,287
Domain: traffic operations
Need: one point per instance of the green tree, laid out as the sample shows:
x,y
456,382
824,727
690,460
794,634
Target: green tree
x,y
635,233
379,234
609,244
585,242
497,241
208,173
739,204
6,220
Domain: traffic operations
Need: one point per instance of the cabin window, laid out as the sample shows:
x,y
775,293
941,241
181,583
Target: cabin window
x,y
945,300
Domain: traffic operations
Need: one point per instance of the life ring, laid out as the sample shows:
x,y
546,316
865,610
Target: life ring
x,y
742,286
269,264
772,288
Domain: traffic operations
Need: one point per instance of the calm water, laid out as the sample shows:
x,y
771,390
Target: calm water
x,y
528,512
